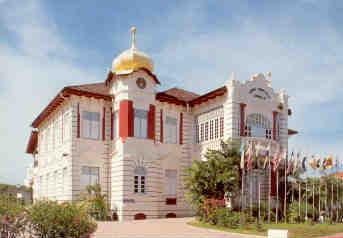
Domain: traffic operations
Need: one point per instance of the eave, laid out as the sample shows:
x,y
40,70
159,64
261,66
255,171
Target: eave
x,y
112,75
60,98
32,144
292,132
208,96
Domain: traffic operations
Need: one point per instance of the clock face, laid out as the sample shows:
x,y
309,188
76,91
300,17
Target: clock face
x,y
141,83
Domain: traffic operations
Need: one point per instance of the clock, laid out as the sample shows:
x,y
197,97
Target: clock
x,y
141,83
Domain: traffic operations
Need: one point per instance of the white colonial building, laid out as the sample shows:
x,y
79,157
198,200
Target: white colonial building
x,y
137,142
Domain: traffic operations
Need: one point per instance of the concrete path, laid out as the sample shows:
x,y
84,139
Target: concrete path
x,y
159,228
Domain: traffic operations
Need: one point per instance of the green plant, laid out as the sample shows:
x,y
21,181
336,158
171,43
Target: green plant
x,y
95,203
215,177
52,220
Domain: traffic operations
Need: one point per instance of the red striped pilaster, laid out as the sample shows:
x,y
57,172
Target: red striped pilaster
x,y
242,122
181,129
103,123
78,121
151,122
161,126
126,124
275,113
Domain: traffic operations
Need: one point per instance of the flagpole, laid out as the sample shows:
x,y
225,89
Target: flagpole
x,y
250,186
285,197
277,195
269,190
299,212
259,200
306,200
313,214
337,199
319,208
331,211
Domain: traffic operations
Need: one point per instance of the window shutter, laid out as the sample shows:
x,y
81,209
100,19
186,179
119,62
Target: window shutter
x,y
242,115
181,129
126,116
78,121
274,124
161,126
103,123
151,122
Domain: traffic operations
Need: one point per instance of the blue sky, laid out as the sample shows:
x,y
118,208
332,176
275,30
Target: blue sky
x,y
196,45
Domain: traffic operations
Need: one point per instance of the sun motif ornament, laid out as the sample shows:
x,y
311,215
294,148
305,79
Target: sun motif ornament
x,y
141,83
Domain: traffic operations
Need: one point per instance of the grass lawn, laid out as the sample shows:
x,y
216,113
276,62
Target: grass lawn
x,y
294,230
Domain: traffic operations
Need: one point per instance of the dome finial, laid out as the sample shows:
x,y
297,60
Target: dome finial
x,y
133,37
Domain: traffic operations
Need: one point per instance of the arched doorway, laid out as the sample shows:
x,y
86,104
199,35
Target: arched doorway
x,y
140,216
171,215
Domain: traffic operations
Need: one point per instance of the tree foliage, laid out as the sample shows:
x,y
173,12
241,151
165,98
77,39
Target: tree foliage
x,y
215,177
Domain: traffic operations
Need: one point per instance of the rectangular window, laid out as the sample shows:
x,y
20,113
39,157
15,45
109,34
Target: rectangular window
x,y
211,130
55,187
91,125
171,130
139,184
66,126
89,176
64,183
206,131
142,184
115,125
171,182
196,132
221,126
201,132
136,184
216,128
141,124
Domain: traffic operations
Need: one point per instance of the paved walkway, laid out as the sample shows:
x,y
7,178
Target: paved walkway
x,y
159,228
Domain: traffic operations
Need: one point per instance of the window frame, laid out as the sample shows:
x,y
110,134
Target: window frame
x,y
90,125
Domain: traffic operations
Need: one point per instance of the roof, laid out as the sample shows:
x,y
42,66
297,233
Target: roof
x,y
98,88
32,144
210,95
182,97
95,90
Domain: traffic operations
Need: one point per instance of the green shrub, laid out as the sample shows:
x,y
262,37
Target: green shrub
x,y
224,217
95,203
9,205
53,220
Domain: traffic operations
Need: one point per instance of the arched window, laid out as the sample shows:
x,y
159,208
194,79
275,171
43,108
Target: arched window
x,y
258,126
139,180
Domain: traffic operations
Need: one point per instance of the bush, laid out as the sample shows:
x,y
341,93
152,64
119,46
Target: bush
x,y
224,217
10,206
95,203
53,220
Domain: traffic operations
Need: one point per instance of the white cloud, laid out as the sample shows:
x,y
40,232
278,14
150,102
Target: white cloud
x,y
31,74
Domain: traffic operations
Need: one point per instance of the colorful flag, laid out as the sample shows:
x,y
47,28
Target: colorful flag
x,y
328,163
242,150
290,163
276,160
267,155
303,163
313,162
250,156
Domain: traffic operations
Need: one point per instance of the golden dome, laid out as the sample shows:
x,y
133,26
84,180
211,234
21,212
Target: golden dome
x,y
132,59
